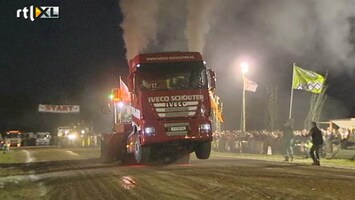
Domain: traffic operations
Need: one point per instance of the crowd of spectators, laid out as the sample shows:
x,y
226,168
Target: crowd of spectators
x,y
247,142
264,141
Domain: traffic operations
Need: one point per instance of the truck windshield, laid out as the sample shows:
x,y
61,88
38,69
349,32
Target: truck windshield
x,y
42,136
172,76
13,135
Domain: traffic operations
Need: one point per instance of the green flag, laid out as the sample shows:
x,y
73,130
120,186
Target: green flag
x,y
307,80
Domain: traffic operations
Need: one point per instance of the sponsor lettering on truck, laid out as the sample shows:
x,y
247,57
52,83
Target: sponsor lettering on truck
x,y
169,104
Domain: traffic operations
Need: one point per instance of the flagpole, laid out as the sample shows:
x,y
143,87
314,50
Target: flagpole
x,y
291,98
119,108
119,81
115,109
245,67
243,117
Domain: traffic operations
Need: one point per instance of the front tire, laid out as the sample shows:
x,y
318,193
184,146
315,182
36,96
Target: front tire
x,y
141,153
127,158
203,150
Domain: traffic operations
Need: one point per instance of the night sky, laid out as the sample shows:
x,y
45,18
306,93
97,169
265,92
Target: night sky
x,y
72,60
77,58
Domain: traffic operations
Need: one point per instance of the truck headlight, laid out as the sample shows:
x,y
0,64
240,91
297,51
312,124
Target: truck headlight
x,y
205,127
149,131
71,137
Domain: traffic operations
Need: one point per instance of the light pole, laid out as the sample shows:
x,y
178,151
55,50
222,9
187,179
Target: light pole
x,y
245,68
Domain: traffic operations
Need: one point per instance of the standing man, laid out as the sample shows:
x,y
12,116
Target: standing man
x,y
287,140
6,147
317,143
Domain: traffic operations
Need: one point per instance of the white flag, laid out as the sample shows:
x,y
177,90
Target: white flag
x,y
250,85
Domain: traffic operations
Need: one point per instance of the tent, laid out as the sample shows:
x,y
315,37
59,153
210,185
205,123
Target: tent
x,y
348,123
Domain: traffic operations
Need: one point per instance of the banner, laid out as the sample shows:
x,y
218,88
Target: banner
x,y
125,95
59,108
121,93
215,105
307,80
250,85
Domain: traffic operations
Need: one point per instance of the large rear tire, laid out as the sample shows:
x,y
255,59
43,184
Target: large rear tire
x,y
203,150
141,153
105,157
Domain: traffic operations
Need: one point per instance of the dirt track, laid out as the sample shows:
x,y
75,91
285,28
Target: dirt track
x,y
217,178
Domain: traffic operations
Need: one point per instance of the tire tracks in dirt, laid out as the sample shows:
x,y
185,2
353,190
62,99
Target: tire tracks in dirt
x,y
213,179
32,176
99,184
154,180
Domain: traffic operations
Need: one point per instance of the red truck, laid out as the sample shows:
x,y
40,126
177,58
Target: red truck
x,y
169,106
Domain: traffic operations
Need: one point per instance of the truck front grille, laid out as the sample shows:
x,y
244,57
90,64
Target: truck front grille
x,y
176,109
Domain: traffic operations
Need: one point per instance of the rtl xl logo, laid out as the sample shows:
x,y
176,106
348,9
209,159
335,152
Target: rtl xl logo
x,y
34,12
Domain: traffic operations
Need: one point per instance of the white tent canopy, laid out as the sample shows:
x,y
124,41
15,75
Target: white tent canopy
x,y
345,123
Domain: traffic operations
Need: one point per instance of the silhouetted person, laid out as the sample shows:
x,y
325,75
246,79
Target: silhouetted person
x,y
317,143
287,141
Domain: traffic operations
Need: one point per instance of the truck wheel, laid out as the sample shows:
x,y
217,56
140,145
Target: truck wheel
x,y
105,158
203,150
126,158
141,153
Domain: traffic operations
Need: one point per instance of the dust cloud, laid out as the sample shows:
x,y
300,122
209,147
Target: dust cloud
x,y
271,35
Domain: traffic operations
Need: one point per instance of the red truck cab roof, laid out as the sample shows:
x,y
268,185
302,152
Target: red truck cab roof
x,y
14,132
163,57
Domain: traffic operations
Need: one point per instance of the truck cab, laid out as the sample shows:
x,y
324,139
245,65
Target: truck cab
x,y
14,138
170,105
43,138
